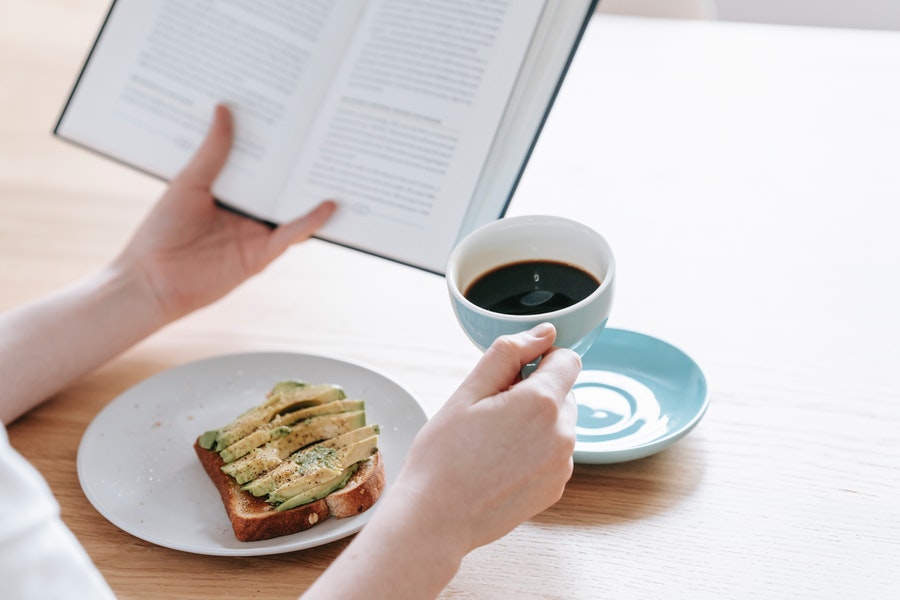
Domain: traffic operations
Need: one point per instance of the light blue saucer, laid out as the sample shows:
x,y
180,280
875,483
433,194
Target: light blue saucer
x,y
636,396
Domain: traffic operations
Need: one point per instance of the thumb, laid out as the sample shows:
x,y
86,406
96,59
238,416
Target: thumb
x,y
501,364
301,228
210,157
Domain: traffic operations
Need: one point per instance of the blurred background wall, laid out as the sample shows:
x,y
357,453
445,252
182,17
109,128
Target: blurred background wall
x,y
864,14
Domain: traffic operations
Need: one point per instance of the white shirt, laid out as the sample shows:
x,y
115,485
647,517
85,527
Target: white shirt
x,y
40,558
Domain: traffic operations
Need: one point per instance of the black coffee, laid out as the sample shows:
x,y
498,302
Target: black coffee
x,y
531,287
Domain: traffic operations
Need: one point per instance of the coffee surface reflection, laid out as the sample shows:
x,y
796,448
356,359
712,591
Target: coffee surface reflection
x,y
531,287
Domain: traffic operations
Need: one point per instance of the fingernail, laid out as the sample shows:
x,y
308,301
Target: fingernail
x,y
542,330
329,205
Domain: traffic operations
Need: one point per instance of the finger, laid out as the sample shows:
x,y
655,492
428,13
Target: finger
x,y
556,374
571,413
208,160
502,362
301,228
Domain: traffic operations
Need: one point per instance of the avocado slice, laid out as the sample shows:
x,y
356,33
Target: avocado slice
x,y
322,465
284,398
346,439
278,427
303,460
319,491
208,439
270,455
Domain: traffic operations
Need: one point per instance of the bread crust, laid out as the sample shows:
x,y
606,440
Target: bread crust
x,y
253,519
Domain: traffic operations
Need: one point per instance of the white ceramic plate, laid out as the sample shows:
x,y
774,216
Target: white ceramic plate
x,y
636,395
137,466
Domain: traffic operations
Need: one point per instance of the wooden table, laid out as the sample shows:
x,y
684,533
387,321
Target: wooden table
x,y
746,176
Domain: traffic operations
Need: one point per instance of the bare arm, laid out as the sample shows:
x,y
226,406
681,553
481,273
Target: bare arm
x,y
187,253
492,457
497,453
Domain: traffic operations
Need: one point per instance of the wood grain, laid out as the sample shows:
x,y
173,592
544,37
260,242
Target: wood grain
x,y
745,176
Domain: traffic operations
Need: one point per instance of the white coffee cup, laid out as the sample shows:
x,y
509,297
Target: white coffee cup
x,y
528,239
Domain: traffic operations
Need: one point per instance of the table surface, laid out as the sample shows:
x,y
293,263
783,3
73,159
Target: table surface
x,y
746,177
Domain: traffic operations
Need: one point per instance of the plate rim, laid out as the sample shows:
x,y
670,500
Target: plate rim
x,y
658,444
283,544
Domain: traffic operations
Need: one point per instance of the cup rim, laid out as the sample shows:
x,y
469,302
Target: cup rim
x,y
458,294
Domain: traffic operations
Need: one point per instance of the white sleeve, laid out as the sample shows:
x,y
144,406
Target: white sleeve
x,y
39,556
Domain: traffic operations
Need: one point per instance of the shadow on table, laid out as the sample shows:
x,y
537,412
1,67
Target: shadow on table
x,y
605,494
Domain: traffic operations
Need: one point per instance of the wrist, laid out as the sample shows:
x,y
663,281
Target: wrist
x,y
134,283
407,551
425,540
129,296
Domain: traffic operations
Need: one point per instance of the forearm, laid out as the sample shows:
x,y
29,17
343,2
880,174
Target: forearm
x,y
446,499
48,344
404,552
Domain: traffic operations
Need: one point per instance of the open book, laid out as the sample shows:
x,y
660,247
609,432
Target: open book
x,y
416,116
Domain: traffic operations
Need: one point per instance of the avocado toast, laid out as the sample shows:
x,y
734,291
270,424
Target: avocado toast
x,y
305,454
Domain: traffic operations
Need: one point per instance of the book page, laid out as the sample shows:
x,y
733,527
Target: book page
x,y
542,72
147,94
402,138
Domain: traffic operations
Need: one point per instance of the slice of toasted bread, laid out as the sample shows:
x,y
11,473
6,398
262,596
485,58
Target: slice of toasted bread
x,y
254,519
